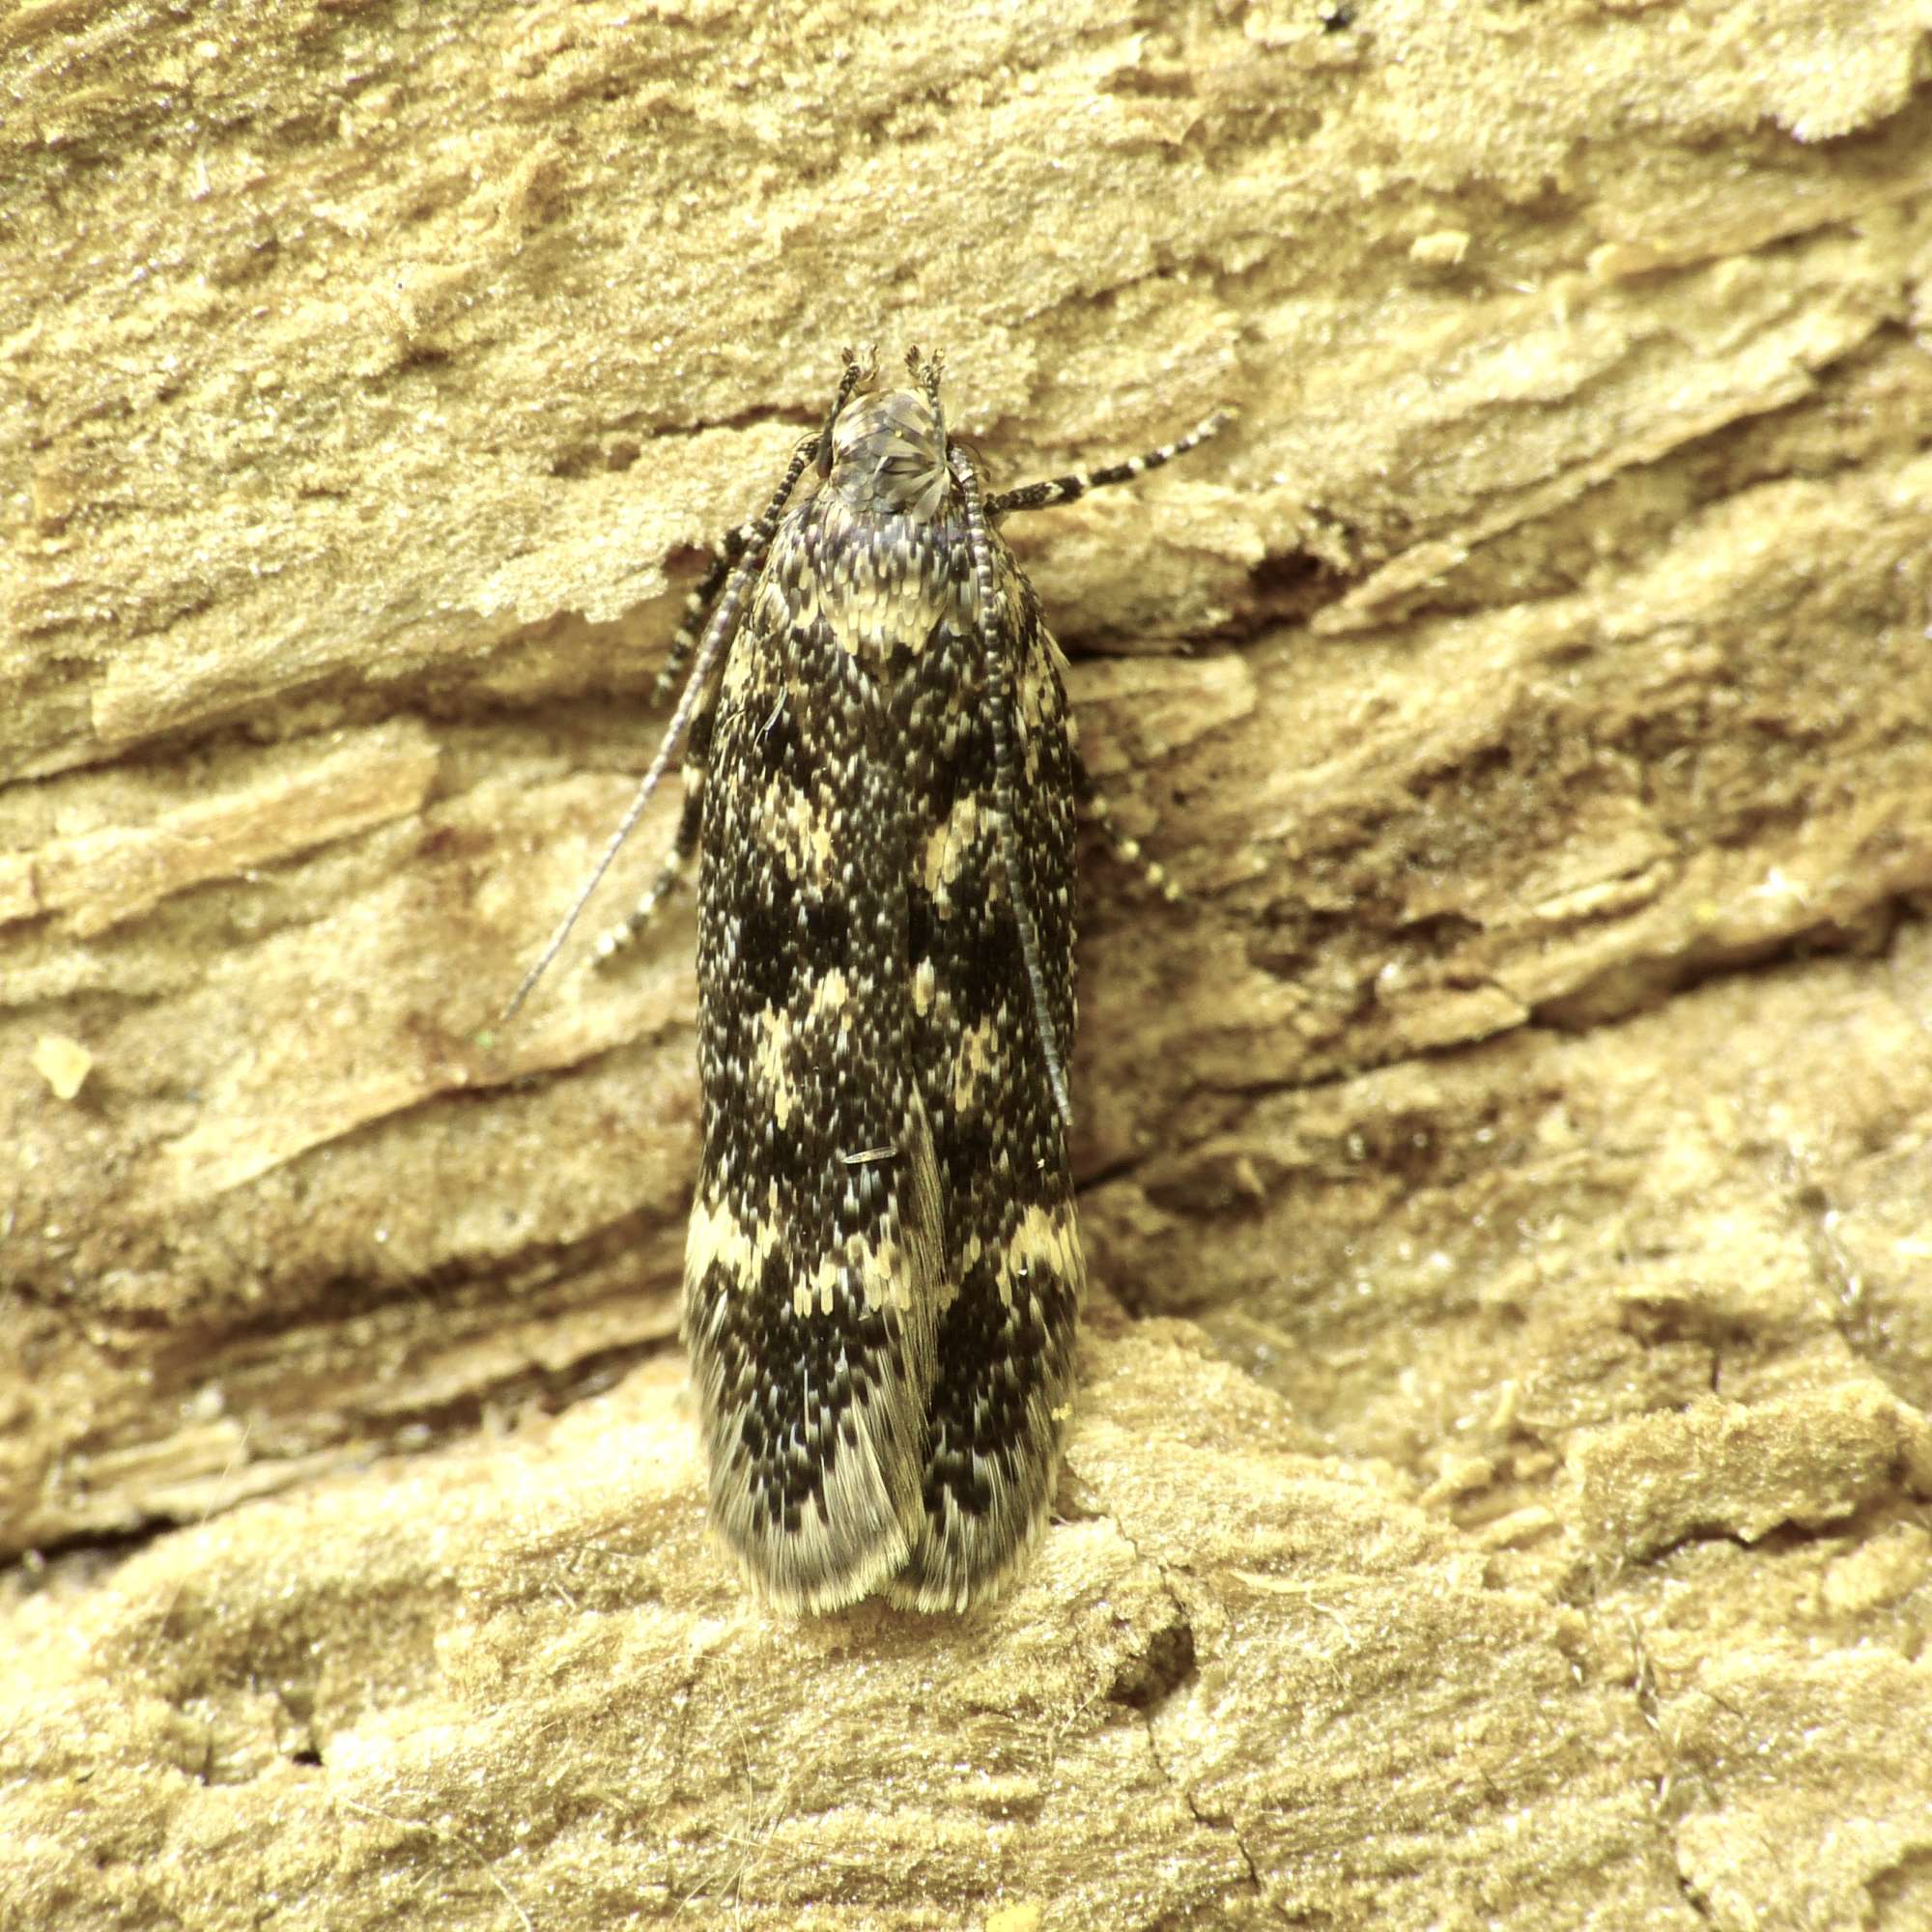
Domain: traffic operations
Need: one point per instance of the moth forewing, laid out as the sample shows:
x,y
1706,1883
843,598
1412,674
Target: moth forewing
x,y
883,1276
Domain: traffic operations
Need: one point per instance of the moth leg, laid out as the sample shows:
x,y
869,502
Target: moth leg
x,y
1064,488
614,939
698,608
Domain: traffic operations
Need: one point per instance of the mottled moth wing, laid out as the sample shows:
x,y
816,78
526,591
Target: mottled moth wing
x,y
1015,1277
813,1268
883,1275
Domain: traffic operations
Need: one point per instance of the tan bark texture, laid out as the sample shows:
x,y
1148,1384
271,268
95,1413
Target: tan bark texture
x,y
1501,1488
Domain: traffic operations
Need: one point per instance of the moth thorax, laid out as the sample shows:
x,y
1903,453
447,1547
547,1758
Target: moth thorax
x,y
889,457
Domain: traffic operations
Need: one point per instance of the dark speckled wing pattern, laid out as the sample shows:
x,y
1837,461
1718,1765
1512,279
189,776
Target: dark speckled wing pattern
x,y
884,1276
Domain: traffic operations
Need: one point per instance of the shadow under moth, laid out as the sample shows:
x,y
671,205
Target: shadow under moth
x,y
883,1275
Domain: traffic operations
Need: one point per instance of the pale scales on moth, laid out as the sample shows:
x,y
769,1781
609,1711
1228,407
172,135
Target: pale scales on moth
x,y
883,1274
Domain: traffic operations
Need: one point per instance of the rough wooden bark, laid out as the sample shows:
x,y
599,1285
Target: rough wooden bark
x,y
1527,1111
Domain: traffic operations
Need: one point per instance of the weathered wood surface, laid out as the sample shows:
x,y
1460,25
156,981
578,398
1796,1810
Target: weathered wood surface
x,y
1527,1111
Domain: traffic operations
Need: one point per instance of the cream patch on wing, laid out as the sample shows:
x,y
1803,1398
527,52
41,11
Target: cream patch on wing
x,y
975,1068
771,1063
832,997
881,1269
947,847
1046,1240
717,1237
797,830
924,987
877,604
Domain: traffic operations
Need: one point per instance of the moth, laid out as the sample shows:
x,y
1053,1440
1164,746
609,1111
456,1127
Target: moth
x,y
883,1273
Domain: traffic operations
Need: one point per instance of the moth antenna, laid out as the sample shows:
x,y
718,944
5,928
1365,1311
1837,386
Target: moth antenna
x,y
717,634
859,373
1067,489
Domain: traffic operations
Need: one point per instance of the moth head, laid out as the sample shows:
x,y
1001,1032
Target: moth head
x,y
889,455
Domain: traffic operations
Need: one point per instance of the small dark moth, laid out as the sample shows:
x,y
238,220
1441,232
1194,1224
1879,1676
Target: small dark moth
x,y
883,1275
